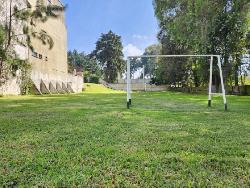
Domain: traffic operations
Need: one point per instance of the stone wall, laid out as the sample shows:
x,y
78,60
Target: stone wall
x,y
11,87
137,85
76,83
134,81
57,83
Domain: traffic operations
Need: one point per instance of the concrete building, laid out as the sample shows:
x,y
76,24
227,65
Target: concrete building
x,y
49,67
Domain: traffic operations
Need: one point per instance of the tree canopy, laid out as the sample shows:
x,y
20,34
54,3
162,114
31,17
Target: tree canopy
x,y
109,53
148,63
205,27
79,61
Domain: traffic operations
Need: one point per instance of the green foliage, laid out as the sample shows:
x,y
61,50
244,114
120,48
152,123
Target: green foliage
x,y
205,27
2,42
91,140
109,53
94,79
82,62
26,84
148,63
91,78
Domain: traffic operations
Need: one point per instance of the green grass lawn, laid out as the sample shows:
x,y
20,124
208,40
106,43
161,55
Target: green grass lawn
x,y
91,139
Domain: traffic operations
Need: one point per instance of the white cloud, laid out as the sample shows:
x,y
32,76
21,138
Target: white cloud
x,y
140,37
132,50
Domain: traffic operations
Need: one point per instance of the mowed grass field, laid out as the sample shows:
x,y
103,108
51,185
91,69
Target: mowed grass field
x,y
91,140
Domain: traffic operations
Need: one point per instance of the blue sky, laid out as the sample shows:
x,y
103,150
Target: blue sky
x,y
132,19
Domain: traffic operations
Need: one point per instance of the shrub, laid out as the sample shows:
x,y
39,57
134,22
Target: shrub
x,y
92,78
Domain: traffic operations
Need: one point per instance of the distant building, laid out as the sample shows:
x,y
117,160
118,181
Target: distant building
x,y
49,67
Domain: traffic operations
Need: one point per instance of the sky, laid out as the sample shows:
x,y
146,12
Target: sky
x,y
133,20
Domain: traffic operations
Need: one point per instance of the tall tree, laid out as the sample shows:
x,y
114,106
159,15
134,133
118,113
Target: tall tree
x,y
151,63
206,27
109,53
84,63
171,71
229,35
148,63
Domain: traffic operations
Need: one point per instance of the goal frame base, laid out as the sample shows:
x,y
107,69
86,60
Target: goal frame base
x,y
219,59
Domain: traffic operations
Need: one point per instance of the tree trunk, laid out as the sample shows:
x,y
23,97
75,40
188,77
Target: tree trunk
x,y
1,68
10,24
217,82
196,79
236,76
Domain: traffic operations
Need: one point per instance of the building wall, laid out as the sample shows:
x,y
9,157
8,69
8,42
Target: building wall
x,y
52,61
49,71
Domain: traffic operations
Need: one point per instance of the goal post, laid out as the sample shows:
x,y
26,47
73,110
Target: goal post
x,y
223,92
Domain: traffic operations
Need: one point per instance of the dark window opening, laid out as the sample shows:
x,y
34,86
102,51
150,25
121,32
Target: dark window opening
x,y
34,54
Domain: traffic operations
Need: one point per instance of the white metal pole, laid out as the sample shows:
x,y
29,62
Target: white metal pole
x,y
143,74
130,91
128,78
210,82
157,56
129,82
222,83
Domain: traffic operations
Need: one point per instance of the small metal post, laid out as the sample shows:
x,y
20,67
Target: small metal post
x,y
128,78
143,74
222,83
129,83
210,82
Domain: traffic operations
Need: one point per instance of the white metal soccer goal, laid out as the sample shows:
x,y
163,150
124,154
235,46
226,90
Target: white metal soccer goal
x,y
223,92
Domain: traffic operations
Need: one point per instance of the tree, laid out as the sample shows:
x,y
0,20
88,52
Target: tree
x,y
206,27
84,63
148,63
172,71
178,34
229,35
28,17
109,53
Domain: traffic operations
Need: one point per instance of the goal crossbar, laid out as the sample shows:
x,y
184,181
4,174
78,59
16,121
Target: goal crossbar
x,y
155,56
223,92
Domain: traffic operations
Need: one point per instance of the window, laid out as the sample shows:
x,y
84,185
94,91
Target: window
x,y
46,58
34,54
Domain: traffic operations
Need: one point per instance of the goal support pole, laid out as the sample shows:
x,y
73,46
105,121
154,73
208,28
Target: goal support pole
x,y
210,82
129,89
128,84
143,74
222,83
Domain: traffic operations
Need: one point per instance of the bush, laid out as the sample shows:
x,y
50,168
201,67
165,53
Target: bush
x,y
92,79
